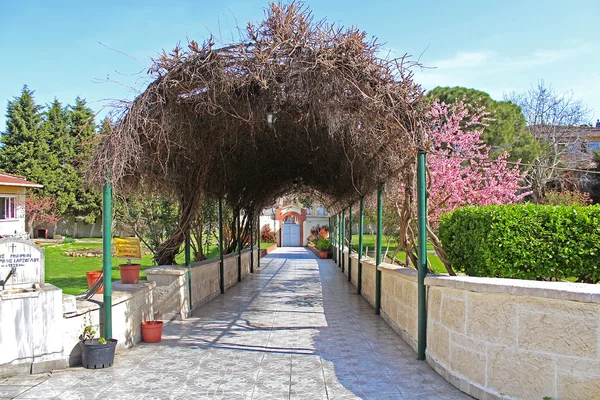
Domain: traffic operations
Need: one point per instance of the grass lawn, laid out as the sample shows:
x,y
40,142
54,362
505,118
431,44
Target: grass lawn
x,y
369,242
68,273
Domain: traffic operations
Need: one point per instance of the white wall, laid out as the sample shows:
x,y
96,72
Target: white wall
x,y
14,226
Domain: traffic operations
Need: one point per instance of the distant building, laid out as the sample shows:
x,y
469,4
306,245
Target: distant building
x,y
291,222
12,204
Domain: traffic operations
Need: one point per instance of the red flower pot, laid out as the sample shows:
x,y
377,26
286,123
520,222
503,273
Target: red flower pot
x,y
130,273
323,254
92,277
152,331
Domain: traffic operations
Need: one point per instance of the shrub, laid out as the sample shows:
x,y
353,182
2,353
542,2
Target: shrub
x,y
323,244
267,235
68,240
524,241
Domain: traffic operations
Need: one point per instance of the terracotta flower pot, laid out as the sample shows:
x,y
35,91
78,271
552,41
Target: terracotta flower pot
x,y
130,273
323,254
152,331
92,277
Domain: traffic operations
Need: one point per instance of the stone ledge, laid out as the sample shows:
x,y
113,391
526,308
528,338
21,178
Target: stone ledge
x,y
121,293
176,270
405,273
582,292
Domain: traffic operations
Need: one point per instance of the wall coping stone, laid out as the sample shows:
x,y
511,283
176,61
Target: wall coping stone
x,y
177,270
121,293
583,292
409,274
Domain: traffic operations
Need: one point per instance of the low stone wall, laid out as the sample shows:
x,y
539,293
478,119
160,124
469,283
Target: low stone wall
x,y
521,339
172,292
132,304
498,338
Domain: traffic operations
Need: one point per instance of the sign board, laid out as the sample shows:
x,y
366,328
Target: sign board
x,y
128,247
23,260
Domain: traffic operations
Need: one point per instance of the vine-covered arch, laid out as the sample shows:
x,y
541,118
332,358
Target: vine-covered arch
x,y
295,105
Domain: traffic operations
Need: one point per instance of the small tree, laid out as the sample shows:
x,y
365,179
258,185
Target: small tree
x,y
267,235
39,209
461,171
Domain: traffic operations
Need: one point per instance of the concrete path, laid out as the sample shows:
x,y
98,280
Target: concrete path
x,y
294,330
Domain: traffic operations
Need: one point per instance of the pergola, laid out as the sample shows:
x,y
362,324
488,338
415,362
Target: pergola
x,y
295,105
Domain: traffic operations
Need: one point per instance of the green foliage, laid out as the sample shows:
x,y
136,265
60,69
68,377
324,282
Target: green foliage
x,y
566,198
52,148
524,241
323,244
152,218
506,129
68,240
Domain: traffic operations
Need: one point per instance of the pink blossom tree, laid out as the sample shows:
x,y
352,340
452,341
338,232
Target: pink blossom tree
x,y
461,172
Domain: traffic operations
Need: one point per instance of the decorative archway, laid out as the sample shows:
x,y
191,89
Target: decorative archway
x,y
295,105
300,217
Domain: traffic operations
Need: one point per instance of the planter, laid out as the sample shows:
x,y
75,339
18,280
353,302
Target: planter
x,y
323,254
92,277
95,355
130,273
152,331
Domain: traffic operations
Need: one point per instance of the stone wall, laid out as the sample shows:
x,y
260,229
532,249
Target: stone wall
x,y
172,292
132,304
498,338
522,339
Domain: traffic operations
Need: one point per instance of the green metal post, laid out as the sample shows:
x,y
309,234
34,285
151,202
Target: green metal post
x,y
339,239
343,240
221,264
258,242
422,255
350,244
334,237
239,246
106,257
251,218
188,262
361,230
378,249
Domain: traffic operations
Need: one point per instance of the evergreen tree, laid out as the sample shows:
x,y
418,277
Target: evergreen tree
x,y
82,132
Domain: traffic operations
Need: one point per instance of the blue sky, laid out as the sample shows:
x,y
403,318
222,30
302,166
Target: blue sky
x,y
494,46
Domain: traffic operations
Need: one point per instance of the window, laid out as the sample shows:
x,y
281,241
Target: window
x,y
321,211
593,145
7,208
308,210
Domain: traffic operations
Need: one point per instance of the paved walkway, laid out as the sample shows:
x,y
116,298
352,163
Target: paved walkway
x,y
294,330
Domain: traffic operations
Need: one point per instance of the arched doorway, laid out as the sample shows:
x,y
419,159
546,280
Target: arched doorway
x,y
290,232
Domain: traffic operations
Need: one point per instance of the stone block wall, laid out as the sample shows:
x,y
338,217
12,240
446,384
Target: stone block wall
x,y
520,339
399,303
132,304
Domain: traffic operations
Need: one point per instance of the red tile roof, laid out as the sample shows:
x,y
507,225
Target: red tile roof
x,y
16,180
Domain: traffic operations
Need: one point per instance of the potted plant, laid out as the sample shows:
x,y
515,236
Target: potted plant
x,y
130,273
92,278
323,245
152,330
96,353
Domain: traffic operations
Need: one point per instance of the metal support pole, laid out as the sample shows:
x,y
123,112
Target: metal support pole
x,y
422,255
188,262
258,242
350,244
334,239
106,257
339,240
239,246
361,230
251,218
343,240
221,264
378,249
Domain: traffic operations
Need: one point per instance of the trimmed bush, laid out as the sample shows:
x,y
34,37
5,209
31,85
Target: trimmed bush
x,y
524,241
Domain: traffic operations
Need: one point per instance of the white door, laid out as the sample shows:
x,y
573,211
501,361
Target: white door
x,y
291,235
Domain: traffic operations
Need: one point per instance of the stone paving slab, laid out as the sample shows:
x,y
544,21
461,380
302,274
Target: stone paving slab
x,y
294,330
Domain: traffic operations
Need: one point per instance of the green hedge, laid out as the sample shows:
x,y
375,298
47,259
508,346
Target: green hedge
x,y
524,241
